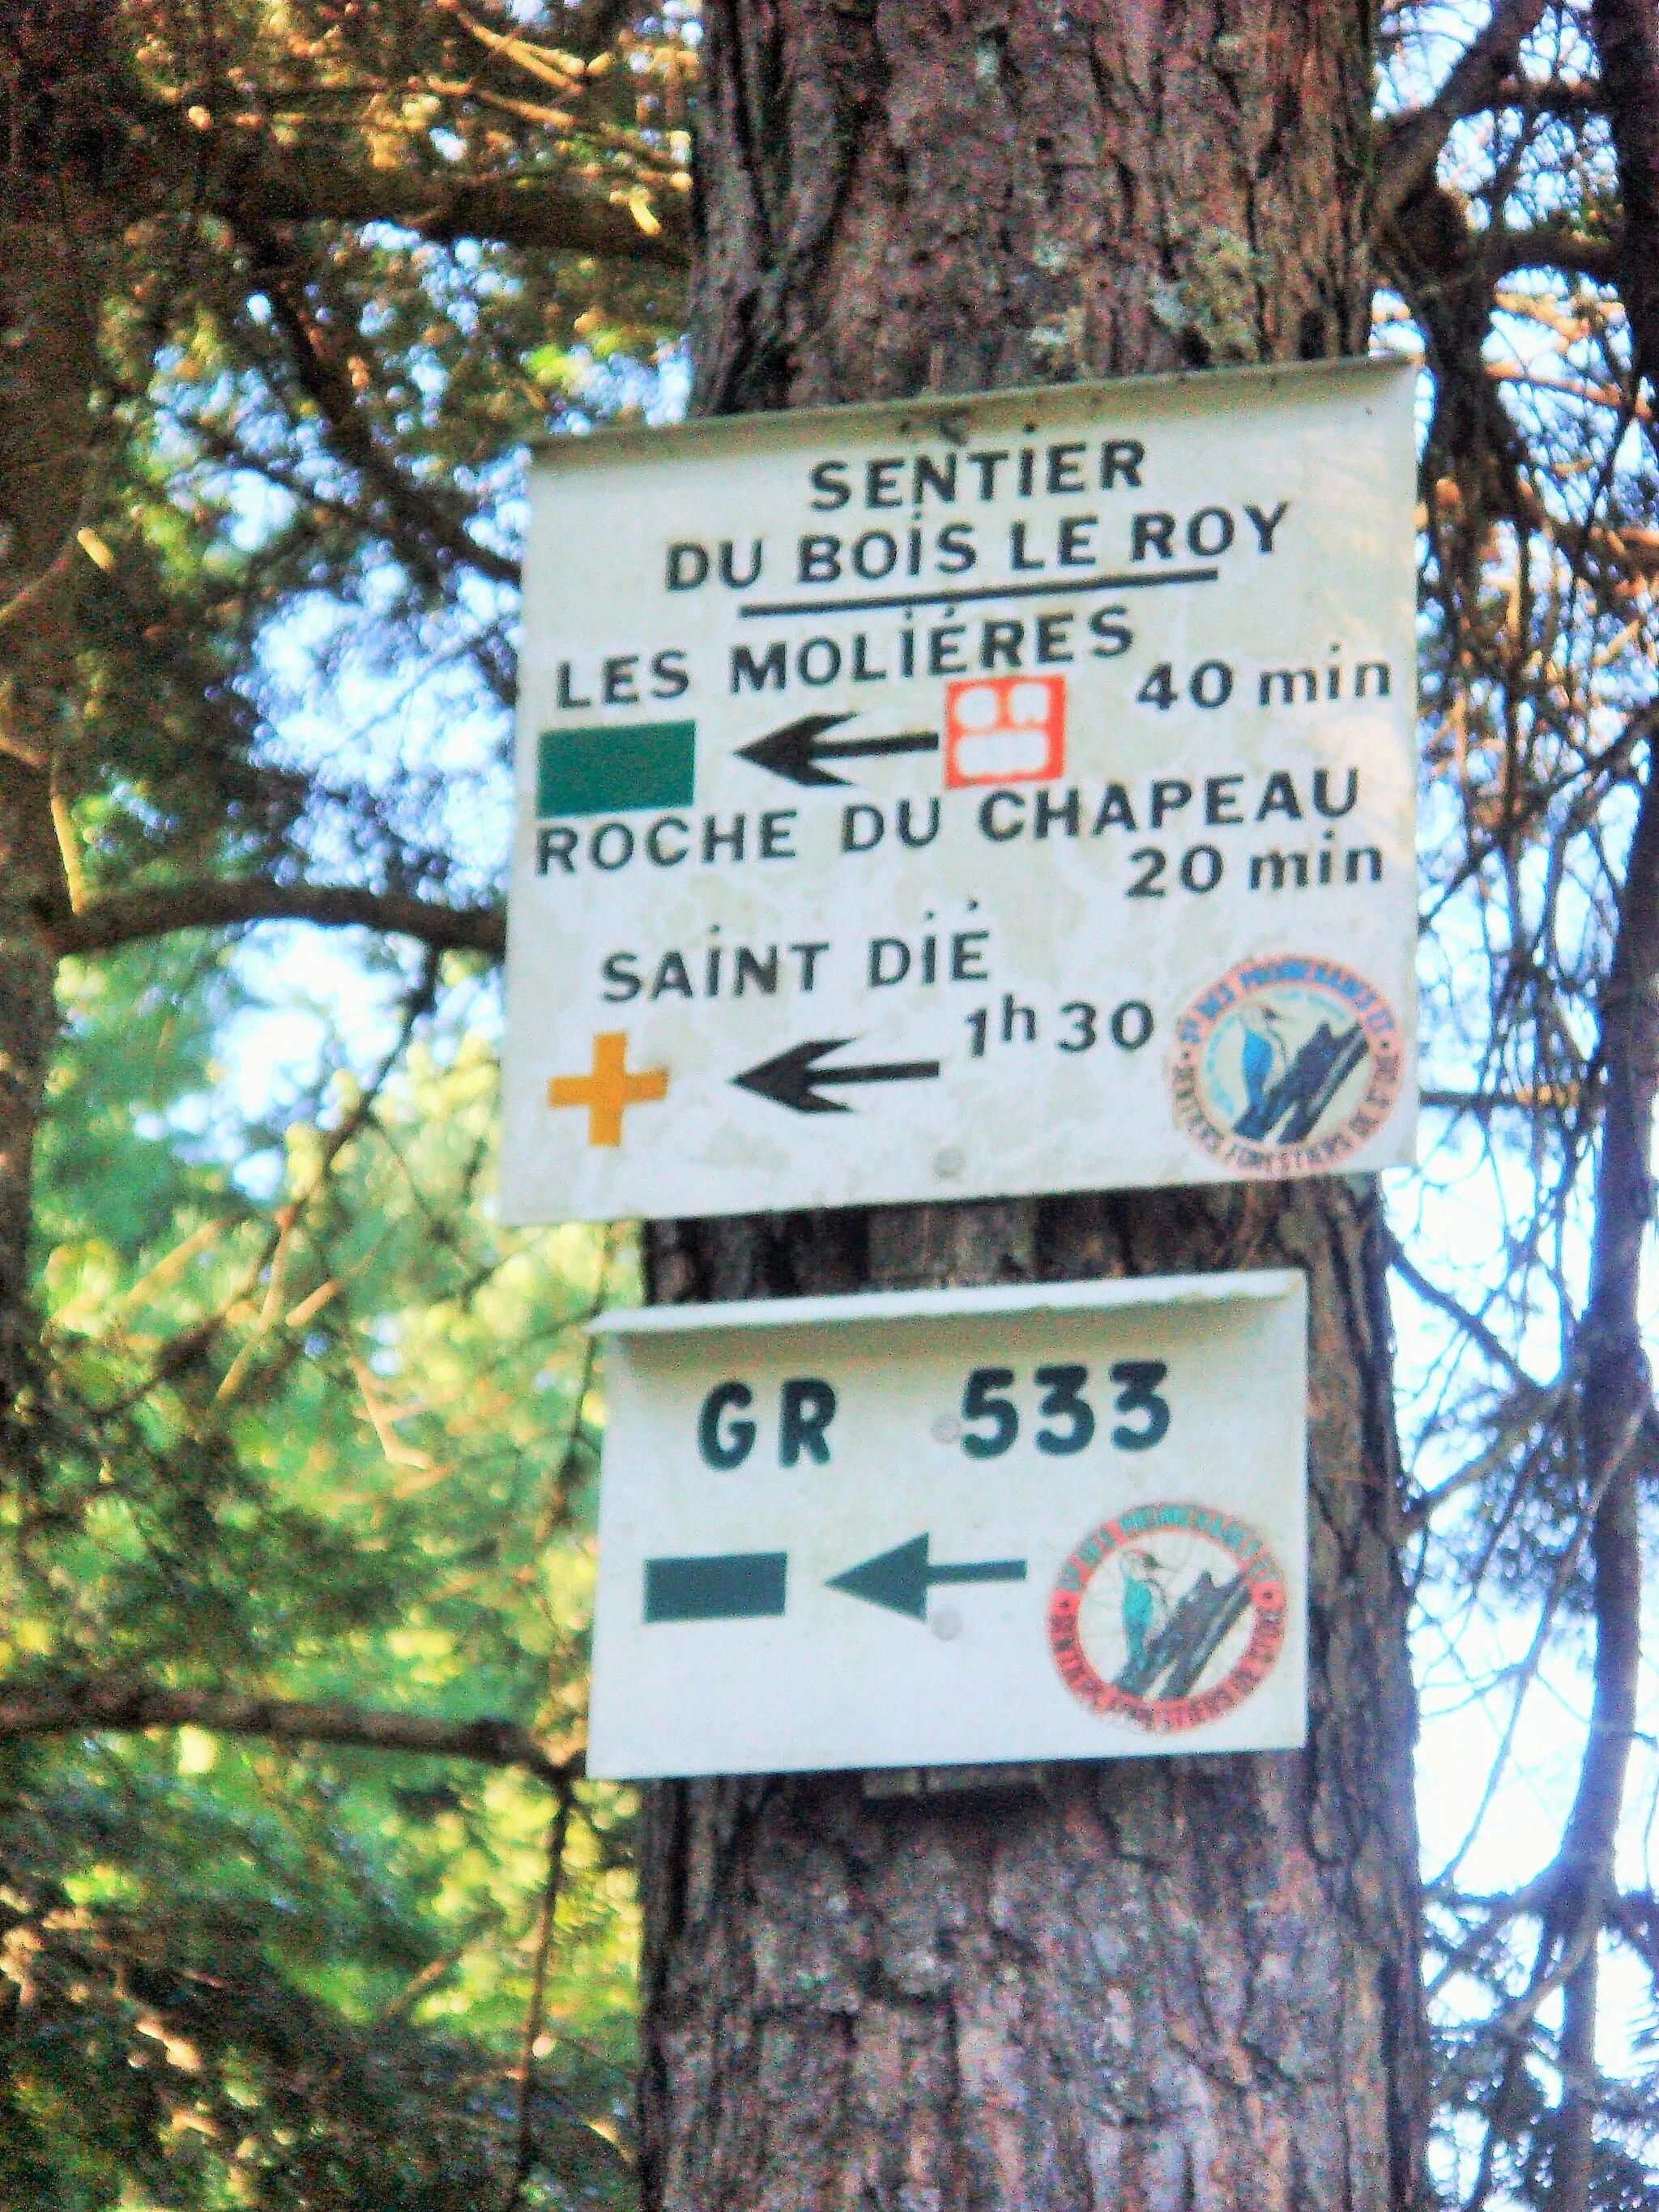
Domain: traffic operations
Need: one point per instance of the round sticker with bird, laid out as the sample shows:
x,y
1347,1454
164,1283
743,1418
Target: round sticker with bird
x,y
1286,1066
1168,1616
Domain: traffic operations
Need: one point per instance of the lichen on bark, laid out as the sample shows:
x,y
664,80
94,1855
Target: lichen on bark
x,y
1157,1984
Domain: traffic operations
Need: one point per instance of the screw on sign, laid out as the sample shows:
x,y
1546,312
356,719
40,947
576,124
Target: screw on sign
x,y
1005,729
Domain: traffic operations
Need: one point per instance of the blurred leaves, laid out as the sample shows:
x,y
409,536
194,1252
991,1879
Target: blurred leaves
x,y
244,1975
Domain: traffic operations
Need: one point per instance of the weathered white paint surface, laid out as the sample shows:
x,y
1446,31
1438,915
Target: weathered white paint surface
x,y
1052,919
832,1679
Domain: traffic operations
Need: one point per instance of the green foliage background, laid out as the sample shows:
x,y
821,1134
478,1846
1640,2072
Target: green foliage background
x,y
307,1425
255,1975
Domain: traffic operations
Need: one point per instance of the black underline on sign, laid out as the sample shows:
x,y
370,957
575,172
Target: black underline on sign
x,y
772,608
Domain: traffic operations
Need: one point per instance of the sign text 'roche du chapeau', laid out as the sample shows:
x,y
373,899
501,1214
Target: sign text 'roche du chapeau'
x,y
968,797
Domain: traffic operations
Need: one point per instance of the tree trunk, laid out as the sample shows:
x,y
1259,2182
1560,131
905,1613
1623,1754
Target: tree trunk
x,y
1190,1982
46,371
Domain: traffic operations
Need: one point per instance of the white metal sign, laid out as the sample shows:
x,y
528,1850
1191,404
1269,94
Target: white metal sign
x,y
969,797
948,1528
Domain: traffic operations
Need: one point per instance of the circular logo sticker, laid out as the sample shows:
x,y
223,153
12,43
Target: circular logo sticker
x,y
1168,1616
1286,1066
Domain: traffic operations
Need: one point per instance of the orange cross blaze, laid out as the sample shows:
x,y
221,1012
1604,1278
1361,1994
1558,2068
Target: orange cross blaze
x,y
609,1090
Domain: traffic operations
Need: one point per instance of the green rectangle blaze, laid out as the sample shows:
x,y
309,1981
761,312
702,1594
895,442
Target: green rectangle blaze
x,y
610,770
724,1586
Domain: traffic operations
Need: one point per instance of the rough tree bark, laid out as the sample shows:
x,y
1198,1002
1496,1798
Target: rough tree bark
x,y
1181,1983
48,370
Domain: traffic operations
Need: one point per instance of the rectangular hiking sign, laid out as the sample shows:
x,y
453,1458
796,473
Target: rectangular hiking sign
x,y
953,1528
966,797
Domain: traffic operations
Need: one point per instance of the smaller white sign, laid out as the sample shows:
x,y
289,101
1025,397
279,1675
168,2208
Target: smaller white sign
x,y
953,1528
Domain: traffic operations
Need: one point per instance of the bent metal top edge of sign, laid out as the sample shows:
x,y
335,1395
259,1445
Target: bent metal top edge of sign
x,y
969,797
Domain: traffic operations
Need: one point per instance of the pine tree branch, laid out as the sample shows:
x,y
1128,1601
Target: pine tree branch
x,y
1410,144
1446,270
542,213
248,179
1549,245
1574,96
212,902
431,539
126,1708
1530,1098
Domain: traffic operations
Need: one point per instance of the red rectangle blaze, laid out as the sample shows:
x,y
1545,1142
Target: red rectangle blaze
x,y
1005,729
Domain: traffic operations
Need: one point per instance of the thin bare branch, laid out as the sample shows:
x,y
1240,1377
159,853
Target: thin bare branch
x,y
1534,1098
1539,1397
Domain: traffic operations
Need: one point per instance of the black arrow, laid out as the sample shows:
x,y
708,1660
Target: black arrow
x,y
900,1579
792,1079
793,751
